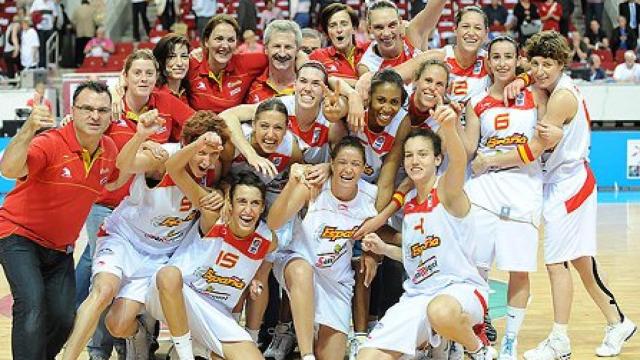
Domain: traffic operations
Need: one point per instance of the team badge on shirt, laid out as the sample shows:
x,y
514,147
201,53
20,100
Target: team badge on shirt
x,y
477,67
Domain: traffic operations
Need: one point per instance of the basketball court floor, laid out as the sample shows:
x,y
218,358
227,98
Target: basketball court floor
x,y
619,260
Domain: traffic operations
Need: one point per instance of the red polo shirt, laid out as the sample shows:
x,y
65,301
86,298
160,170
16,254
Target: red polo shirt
x,y
50,205
262,89
175,113
181,95
217,95
337,64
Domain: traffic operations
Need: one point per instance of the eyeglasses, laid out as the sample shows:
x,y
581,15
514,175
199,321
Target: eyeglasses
x,y
86,109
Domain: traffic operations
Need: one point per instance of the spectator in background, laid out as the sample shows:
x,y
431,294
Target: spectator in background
x,y
579,49
29,45
597,73
85,26
527,20
362,32
301,12
497,15
167,11
630,9
100,46
594,33
550,14
139,8
247,16
311,40
38,97
250,44
43,14
434,39
622,36
629,70
594,10
270,13
567,11
204,10
12,47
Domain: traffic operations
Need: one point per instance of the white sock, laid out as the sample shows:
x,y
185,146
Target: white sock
x,y
253,334
559,329
515,317
236,316
183,346
309,357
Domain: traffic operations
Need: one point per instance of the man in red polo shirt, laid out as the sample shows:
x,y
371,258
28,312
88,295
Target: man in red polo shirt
x,y
61,172
282,40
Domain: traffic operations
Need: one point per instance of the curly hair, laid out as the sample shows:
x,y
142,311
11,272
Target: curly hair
x,y
201,122
549,44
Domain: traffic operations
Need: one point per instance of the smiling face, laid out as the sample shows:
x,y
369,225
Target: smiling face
x,y
431,83
246,207
347,167
281,50
420,160
386,100
546,71
201,162
269,128
141,77
503,60
178,62
471,32
340,31
222,43
309,88
386,27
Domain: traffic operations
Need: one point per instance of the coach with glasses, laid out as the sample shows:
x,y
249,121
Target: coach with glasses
x,y
60,174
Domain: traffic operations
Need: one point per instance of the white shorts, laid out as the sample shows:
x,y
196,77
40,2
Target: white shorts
x,y
512,244
117,256
210,325
569,213
332,299
405,326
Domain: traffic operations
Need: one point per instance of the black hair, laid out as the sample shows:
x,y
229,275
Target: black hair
x,y
246,178
274,104
388,76
348,141
165,48
429,134
95,86
503,38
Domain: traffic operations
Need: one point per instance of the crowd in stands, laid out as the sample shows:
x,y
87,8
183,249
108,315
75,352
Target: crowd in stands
x,y
30,22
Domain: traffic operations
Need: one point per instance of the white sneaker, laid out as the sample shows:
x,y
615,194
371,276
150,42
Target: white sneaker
x,y
509,348
282,344
555,347
481,354
615,336
354,345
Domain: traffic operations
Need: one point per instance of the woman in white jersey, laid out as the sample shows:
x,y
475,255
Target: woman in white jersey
x,y
569,202
509,201
315,268
444,292
216,265
142,232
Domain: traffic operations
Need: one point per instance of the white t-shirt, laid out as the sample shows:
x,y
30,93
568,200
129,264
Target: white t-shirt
x,y
49,12
29,44
623,73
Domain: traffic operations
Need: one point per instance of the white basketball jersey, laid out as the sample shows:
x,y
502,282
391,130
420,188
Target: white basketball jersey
x,y
572,151
437,248
281,158
375,62
514,193
160,216
313,142
377,145
324,237
219,265
465,83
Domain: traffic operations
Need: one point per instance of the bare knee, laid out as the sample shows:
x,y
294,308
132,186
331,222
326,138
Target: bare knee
x,y
299,270
518,278
443,310
118,326
169,280
103,292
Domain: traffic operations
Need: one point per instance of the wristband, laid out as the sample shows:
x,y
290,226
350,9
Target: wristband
x,y
398,197
525,153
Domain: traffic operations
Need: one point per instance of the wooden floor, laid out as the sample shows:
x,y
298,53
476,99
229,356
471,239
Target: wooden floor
x,y
619,254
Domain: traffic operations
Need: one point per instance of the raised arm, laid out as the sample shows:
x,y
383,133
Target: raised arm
x,y
420,26
292,198
130,159
470,132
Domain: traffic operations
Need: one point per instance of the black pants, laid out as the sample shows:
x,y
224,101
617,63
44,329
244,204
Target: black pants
x,y
168,17
81,42
42,283
140,9
13,64
43,36
386,288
